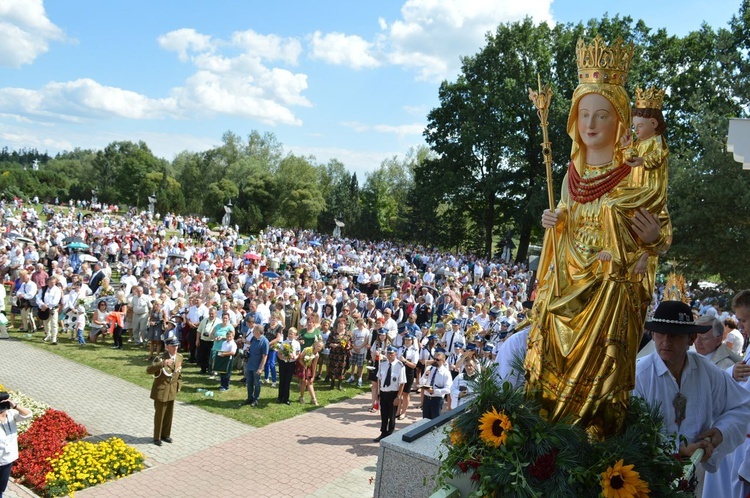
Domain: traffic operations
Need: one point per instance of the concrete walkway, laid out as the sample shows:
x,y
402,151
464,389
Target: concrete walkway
x,y
323,453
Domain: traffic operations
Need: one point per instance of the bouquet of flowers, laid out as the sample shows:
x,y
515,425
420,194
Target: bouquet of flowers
x,y
285,350
308,355
509,449
344,343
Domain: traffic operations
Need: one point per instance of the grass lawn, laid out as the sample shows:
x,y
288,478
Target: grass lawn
x,y
130,364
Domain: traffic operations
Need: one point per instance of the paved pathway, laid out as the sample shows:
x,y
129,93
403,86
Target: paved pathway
x,y
323,453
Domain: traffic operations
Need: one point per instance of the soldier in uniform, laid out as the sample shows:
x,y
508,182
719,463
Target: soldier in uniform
x,y
167,372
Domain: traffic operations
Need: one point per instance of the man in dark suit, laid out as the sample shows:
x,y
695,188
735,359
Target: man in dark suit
x,y
96,277
167,372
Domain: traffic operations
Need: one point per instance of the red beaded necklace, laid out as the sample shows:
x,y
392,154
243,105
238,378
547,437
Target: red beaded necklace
x,y
585,190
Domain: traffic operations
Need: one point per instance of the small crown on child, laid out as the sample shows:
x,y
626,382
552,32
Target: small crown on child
x,y
652,98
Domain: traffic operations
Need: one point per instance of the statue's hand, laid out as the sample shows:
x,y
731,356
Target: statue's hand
x,y
549,218
635,162
626,140
646,226
642,265
604,256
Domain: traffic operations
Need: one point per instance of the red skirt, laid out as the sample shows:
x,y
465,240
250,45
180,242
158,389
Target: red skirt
x,y
303,372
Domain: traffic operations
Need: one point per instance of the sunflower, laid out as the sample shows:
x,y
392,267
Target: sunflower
x,y
621,481
494,427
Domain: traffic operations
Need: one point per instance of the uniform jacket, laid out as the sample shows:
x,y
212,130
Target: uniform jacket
x,y
167,380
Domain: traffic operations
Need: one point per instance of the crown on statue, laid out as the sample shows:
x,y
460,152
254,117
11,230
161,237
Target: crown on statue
x,y
652,98
599,63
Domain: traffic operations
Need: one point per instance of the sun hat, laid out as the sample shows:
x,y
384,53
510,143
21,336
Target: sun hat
x,y
676,318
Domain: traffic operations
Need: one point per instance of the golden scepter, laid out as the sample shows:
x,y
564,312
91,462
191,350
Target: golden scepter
x,y
541,99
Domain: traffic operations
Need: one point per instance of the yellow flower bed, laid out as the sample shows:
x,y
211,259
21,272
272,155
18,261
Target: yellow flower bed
x,y
83,464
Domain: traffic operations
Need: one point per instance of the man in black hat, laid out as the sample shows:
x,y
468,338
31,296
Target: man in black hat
x,y
167,372
391,379
698,401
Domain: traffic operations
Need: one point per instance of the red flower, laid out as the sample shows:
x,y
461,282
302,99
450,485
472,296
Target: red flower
x,y
475,476
544,466
463,466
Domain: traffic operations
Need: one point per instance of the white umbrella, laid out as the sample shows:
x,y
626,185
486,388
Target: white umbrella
x,y
88,258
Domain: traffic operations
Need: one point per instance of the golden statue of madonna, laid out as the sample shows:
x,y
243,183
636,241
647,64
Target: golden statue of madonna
x,y
598,262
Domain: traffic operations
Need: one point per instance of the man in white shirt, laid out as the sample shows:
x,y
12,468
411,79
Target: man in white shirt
x,y
698,401
428,278
390,324
734,471
48,301
453,336
127,280
391,380
141,305
436,384
195,314
26,295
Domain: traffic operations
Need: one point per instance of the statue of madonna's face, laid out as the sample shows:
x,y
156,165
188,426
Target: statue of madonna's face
x,y
597,122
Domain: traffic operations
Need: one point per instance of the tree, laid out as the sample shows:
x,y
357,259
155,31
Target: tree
x,y
484,128
300,198
121,170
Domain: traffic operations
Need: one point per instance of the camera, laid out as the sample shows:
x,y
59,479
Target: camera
x,y
5,403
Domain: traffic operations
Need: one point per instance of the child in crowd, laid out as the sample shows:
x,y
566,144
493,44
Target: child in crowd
x,y
80,323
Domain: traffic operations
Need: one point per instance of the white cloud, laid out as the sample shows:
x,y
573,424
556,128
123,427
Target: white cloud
x,y
237,85
341,49
399,130
241,84
432,35
269,47
25,32
186,40
80,99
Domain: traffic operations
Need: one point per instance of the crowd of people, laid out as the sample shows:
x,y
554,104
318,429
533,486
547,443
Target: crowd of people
x,y
290,304
414,324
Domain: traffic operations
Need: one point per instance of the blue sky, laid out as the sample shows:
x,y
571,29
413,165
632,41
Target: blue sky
x,y
349,80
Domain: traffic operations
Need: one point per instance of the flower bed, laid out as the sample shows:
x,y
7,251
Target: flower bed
x,y
41,444
53,461
510,450
83,464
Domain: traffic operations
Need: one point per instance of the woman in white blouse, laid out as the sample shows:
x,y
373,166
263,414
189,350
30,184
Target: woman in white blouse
x,y
10,414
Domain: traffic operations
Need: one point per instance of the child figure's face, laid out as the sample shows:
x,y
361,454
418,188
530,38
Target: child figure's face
x,y
645,128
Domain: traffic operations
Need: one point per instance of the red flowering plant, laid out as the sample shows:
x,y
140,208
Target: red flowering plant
x,y
509,449
42,442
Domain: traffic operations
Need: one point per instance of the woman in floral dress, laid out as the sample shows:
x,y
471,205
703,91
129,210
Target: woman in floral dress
x,y
340,343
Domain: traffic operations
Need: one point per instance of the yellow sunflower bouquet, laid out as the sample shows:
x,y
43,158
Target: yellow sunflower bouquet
x,y
509,450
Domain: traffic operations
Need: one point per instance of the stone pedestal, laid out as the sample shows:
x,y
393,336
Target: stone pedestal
x,y
408,469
